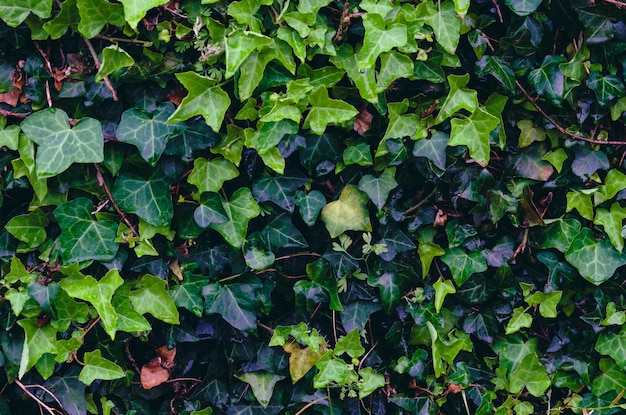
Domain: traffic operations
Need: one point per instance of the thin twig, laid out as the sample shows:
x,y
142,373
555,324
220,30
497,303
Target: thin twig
x,y
616,3
119,211
280,258
310,404
421,203
106,80
47,391
88,329
41,404
367,354
559,127
119,39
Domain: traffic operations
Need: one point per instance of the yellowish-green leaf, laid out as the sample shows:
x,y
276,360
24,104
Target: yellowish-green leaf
x,y
348,213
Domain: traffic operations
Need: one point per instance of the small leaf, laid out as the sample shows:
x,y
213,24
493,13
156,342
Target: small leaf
x,y
379,39
348,213
14,12
210,175
530,374
301,360
390,289
135,10
98,368
473,132
309,205
262,384
211,210
529,133
458,98
519,320
29,228
240,210
330,369
38,341
350,344
378,188
442,289
204,98
59,145
278,189
596,260
463,265
325,111
113,58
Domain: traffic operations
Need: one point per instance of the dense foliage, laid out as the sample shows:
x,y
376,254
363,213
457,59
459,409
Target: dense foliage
x,y
314,206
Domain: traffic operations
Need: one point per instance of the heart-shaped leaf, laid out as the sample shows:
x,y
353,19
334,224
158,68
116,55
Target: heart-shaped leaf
x,y
348,213
240,209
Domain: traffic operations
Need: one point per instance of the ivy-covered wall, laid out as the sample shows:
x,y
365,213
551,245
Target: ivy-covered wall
x,y
312,207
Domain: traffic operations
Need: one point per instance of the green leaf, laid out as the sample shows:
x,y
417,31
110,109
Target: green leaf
x,y
210,210
461,7
458,98
393,65
82,237
548,79
519,320
59,145
330,369
29,228
473,132
149,132
312,6
614,182
596,260
38,341
204,98
149,199
95,14
612,221
348,213
446,24
379,39
530,374
463,265
278,189
359,154
613,345
14,12
529,133
378,188
427,250
239,45
581,202
113,58
512,350
210,175
281,233
523,7
309,205
325,111
98,293
262,385
370,381
98,368
153,298
67,17
390,289
433,148
128,319
442,289
135,10
355,314
234,302
599,28
318,271
271,133
350,344
188,295
607,88
611,379
240,209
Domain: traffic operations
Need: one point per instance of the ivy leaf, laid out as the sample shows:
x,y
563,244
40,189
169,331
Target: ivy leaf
x,y
393,65
356,313
234,302
59,145
473,132
204,98
348,213
211,210
442,289
153,298
529,133
14,12
66,17
613,345
95,14
210,175
281,233
379,39
499,69
458,98
38,341
278,189
595,260
70,392
611,378
240,209
113,58
83,238
149,132
149,199
98,293
548,80
446,24
612,221
188,294
463,265
239,45
29,228
523,7
97,367
262,385
607,88
135,10
390,289
350,344
364,79
433,148
512,350
330,369
325,111
309,205
378,188
271,133
128,319
530,374
519,320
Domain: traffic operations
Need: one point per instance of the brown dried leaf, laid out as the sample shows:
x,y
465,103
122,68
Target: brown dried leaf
x,y
12,97
153,374
167,356
363,121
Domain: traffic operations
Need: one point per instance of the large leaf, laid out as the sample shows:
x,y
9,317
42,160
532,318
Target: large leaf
x,y
39,340
378,188
59,145
70,392
348,213
113,58
204,98
613,345
14,12
98,293
236,303
148,199
596,260
149,132
523,7
463,265
95,14
240,209
473,132
379,39
135,10
446,24
97,367
278,189
458,98
239,45
210,175
153,298
530,374
262,384
325,111
82,237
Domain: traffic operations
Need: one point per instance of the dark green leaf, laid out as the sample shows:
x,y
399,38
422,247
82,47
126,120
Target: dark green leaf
x,y
149,199
234,302
278,189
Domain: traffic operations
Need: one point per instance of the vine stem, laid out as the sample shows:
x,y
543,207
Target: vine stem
x,y
616,3
559,127
310,404
88,328
41,404
106,79
119,211
6,113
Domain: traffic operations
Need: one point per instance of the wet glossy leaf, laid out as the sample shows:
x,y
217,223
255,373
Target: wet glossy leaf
x,y
204,98
98,294
14,12
325,111
596,260
240,209
548,79
149,132
82,237
97,367
348,213
148,199
607,88
598,27
59,144
153,298
390,289
234,302
211,210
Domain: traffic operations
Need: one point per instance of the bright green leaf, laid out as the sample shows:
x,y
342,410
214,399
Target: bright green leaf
x,y
39,340
95,14
153,298
113,58
379,39
210,175
463,265
378,188
240,209
262,384
442,289
135,10
325,111
14,12
98,368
